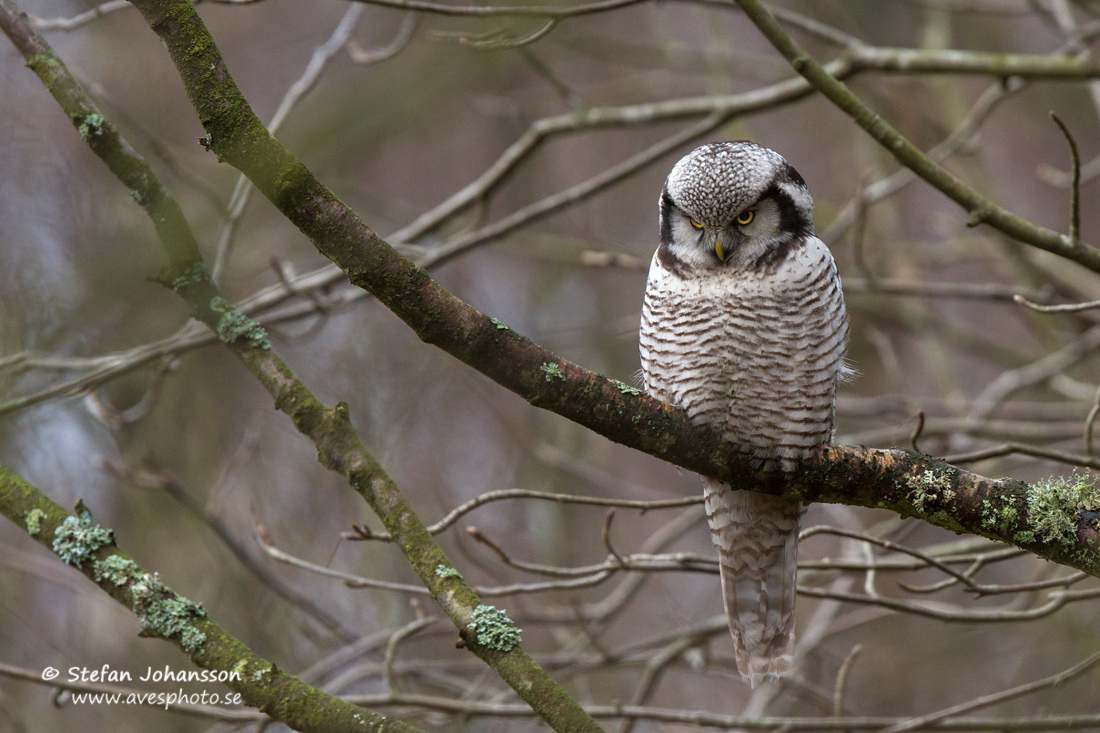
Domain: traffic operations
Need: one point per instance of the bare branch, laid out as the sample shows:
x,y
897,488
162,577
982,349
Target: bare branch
x,y
981,209
1062,677
1075,185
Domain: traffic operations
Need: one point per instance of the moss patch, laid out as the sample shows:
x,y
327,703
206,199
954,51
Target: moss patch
x,y
34,521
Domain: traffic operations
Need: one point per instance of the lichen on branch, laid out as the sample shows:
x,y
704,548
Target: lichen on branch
x,y
840,474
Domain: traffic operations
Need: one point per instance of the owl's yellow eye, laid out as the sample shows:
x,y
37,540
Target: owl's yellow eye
x,y
695,224
746,217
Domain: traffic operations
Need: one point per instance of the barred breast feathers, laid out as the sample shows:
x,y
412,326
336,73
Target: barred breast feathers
x,y
749,348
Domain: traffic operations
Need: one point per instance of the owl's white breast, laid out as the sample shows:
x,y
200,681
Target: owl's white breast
x,y
756,351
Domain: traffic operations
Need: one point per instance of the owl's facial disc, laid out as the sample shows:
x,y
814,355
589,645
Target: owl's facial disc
x,y
714,243
732,205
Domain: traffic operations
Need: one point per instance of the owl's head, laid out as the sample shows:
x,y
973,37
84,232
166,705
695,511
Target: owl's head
x,y
733,204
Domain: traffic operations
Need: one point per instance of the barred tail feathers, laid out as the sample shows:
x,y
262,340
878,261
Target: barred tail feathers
x,y
757,540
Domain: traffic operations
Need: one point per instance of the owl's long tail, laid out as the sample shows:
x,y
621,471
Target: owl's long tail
x,y
757,540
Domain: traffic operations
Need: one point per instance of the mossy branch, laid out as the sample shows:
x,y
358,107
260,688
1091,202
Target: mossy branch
x,y
981,209
338,445
91,549
892,479
1057,520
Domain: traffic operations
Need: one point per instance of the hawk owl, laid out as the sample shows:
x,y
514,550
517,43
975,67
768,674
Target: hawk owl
x,y
744,327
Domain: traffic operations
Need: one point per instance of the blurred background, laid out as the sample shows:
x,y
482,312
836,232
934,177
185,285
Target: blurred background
x,y
109,396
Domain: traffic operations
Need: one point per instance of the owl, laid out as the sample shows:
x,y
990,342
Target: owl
x,y
744,327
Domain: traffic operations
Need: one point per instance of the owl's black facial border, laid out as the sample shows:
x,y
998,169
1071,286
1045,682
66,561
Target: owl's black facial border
x,y
666,217
669,209
794,175
791,219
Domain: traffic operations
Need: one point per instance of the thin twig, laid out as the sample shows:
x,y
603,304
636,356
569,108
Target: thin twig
x,y
490,11
209,515
605,535
68,24
985,701
696,718
842,680
1007,449
1075,185
656,665
507,494
1061,308
981,209
1090,421
509,42
242,192
888,545
917,431
395,640
945,612
368,57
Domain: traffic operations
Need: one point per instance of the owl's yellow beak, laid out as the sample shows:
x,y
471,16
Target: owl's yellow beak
x,y
718,249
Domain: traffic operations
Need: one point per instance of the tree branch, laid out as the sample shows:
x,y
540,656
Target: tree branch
x,y
982,210
338,445
908,483
166,615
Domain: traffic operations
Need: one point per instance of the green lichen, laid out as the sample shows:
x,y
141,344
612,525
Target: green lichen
x,y
443,571
78,538
1054,506
499,324
1002,519
261,675
194,275
1024,538
930,489
167,614
627,389
34,521
553,371
234,325
91,126
494,629
206,141
116,569
988,519
240,668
